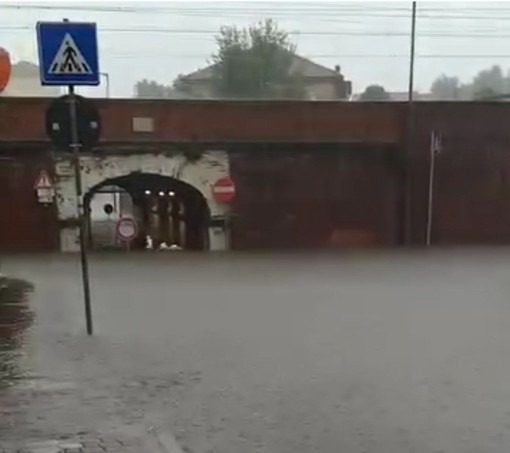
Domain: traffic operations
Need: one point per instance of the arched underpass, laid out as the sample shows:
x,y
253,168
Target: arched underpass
x,y
167,210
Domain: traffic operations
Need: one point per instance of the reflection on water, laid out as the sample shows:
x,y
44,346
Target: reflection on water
x,y
15,317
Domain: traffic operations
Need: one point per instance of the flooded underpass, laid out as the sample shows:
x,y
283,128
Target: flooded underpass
x,y
383,352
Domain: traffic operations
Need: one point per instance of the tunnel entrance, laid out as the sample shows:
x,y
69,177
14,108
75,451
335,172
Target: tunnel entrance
x,y
170,213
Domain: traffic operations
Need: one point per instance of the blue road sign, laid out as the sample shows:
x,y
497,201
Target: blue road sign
x,y
68,53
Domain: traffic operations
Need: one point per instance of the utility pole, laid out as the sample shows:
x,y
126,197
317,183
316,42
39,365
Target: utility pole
x,y
407,217
412,55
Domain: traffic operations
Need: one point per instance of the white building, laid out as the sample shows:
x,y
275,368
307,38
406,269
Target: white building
x,y
25,82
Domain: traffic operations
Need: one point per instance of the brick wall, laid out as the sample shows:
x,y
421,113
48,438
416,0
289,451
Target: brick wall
x,y
472,190
315,198
311,196
218,121
25,224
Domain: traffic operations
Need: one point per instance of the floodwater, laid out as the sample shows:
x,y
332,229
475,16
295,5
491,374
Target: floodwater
x,y
355,352
15,318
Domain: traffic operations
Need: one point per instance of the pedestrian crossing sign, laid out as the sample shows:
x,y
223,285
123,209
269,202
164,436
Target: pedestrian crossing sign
x,y
68,53
69,59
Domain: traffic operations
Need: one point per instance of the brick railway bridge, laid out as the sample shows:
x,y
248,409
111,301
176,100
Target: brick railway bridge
x,y
307,174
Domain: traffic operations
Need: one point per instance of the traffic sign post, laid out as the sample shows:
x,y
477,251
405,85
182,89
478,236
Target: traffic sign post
x,y
58,124
45,188
68,53
224,190
75,148
126,230
68,56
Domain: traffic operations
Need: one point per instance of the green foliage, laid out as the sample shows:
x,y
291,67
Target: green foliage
x,y
152,90
486,84
374,93
485,93
490,80
181,88
445,87
255,63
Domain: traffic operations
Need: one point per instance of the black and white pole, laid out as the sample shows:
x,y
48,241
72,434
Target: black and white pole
x,y
75,148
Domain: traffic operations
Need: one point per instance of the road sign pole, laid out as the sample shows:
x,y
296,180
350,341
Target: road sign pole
x,y
68,57
75,148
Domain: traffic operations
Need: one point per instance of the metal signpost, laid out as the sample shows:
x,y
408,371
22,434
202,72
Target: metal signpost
x,y
58,124
436,143
224,191
68,56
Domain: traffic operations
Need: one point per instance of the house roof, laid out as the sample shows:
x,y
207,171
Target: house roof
x,y
25,69
300,65
308,68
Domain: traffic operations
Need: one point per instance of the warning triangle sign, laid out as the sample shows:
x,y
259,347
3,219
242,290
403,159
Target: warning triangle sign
x,y
69,59
43,181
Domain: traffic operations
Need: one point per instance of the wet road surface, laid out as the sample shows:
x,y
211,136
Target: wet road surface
x,y
355,353
15,318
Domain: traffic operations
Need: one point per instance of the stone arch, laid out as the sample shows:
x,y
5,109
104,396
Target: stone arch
x,y
167,210
95,169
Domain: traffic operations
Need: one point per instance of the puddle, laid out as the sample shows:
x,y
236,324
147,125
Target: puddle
x,y
15,318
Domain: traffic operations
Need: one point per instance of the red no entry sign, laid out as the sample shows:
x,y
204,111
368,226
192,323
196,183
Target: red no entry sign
x,y
224,190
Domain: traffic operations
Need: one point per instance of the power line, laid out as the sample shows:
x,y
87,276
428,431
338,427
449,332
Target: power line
x,y
337,56
210,7
425,12
292,32
257,6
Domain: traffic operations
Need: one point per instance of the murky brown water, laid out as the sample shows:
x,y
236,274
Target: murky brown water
x,y
15,318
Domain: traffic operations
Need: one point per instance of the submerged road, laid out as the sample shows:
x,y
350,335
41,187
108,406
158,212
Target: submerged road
x,y
355,353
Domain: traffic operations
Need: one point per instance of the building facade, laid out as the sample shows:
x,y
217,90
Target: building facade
x,y
25,82
320,83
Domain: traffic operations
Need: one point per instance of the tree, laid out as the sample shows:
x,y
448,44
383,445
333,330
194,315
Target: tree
x,y
180,88
486,84
151,89
374,93
445,87
255,63
154,90
484,93
489,83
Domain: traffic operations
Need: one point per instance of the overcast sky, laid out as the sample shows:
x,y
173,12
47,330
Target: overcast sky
x,y
370,41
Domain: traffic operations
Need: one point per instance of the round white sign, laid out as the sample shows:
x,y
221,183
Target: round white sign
x,y
126,229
